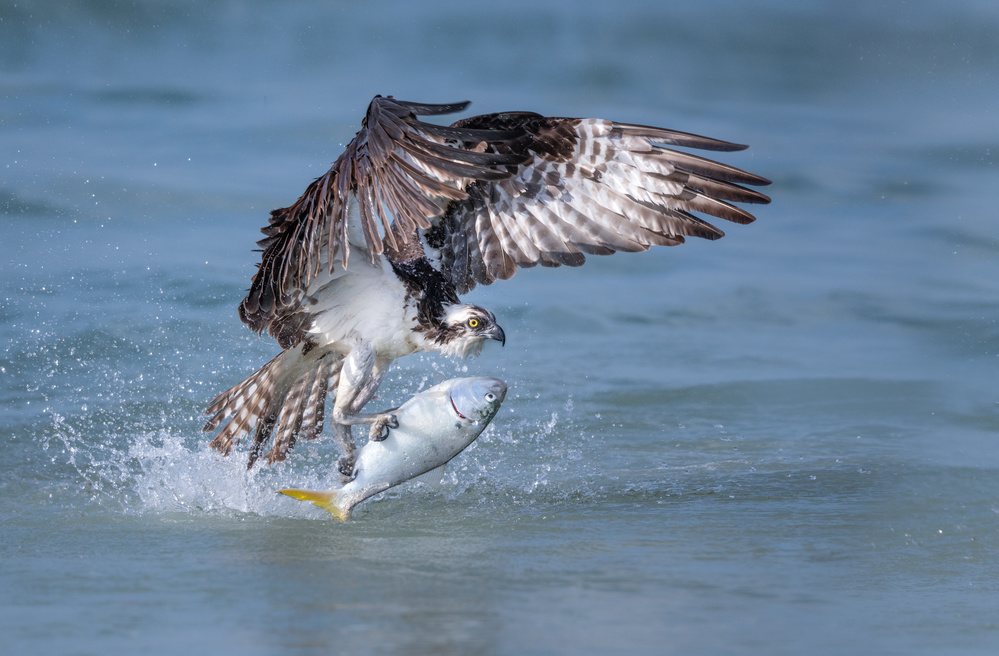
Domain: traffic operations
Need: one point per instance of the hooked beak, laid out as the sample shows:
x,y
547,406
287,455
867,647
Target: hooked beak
x,y
496,333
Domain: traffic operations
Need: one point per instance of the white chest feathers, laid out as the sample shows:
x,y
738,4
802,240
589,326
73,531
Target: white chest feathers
x,y
367,302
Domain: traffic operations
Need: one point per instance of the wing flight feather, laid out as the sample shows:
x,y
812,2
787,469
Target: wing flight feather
x,y
587,186
501,191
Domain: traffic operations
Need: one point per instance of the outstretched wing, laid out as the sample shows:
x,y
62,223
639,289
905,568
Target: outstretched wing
x,y
587,186
400,171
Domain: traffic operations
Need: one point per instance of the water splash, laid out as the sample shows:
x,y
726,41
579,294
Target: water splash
x,y
164,470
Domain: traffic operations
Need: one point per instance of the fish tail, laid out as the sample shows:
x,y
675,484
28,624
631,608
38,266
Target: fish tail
x,y
325,500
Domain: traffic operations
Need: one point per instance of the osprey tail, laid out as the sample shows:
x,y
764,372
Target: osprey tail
x,y
287,394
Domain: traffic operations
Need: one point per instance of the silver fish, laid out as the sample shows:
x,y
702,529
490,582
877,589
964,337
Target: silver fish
x,y
434,427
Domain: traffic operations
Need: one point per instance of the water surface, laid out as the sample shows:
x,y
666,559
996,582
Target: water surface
x,y
780,442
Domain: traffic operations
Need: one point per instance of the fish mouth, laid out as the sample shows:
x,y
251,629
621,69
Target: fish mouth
x,y
455,407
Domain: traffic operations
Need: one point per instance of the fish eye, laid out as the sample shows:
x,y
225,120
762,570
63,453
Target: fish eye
x,y
473,323
490,396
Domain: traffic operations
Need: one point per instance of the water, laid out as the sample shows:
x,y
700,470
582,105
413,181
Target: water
x,y
782,442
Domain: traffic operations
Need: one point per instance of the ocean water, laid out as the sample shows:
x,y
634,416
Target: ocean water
x,y
782,442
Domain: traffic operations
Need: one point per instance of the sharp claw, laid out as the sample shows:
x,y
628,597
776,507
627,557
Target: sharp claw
x,y
382,426
345,466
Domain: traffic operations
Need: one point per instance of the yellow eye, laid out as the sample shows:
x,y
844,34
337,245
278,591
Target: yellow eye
x,y
473,323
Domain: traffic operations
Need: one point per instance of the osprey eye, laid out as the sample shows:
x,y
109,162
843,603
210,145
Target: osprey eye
x,y
473,323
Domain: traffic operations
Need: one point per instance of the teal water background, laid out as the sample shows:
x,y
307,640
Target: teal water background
x,y
782,442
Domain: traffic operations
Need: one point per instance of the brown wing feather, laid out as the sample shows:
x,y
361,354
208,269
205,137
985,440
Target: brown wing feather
x,y
587,186
401,171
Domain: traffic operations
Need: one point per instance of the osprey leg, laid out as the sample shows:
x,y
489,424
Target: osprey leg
x,y
345,465
359,380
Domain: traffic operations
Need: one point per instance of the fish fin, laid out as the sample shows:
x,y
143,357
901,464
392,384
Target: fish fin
x,y
433,478
324,500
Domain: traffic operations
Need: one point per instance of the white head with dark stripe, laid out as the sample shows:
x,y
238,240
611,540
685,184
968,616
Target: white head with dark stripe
x,y
464,328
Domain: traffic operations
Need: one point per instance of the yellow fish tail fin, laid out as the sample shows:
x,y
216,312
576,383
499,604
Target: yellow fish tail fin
x,y
324,500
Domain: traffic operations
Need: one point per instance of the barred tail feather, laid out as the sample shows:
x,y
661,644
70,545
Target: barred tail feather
x,y
303,411
245,402
286,397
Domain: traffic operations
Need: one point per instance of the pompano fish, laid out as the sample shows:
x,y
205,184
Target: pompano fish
x,y
434,427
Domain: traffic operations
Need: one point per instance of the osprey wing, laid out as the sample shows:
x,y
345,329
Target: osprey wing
x,y
587,186
401,171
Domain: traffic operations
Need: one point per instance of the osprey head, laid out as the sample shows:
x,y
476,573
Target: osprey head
x,y
464,328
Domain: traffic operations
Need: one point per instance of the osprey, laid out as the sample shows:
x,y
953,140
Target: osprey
x,y
367,265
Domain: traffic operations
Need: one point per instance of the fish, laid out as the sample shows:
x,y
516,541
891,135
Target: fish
x,y
433,427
